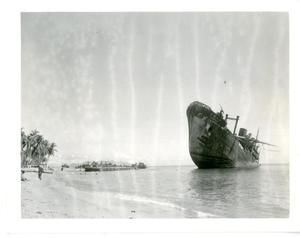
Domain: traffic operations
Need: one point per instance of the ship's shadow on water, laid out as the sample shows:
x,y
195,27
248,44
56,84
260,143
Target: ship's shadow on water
x,y
259,192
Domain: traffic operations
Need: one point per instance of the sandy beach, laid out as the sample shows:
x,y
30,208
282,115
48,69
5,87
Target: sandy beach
x,y
51,197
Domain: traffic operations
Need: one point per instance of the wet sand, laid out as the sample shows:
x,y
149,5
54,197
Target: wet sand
x,y
52,198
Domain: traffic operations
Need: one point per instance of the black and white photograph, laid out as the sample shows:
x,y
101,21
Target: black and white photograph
x,y
155,115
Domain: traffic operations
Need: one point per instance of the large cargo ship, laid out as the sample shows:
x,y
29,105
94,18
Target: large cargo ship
x,y
213,145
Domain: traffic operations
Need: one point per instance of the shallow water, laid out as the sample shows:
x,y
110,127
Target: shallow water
x,y
232,193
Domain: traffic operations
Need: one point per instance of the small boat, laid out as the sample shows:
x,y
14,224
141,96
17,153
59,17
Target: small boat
x,y
91,169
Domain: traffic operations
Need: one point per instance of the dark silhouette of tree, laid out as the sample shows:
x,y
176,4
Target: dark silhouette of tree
x,y
35,150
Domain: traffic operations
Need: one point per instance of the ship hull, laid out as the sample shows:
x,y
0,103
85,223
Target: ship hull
x,y
211,144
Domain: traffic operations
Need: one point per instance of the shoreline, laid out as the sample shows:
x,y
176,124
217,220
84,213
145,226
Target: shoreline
x,y
52,198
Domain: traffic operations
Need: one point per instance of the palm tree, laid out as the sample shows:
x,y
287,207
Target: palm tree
x,y
35,149
32,142
23,140
51,149
23,146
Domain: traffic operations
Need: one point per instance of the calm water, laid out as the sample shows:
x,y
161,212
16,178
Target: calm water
x,y
244,193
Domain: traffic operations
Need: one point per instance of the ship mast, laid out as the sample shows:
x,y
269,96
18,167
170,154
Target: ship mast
x,y
236,119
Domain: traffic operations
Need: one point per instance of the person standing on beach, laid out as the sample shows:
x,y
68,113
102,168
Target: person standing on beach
x,y
22,176
40,171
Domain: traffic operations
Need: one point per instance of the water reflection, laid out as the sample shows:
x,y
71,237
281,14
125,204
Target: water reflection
x,y
229,192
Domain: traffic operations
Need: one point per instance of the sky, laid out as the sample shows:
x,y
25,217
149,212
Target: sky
x,y
116,85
